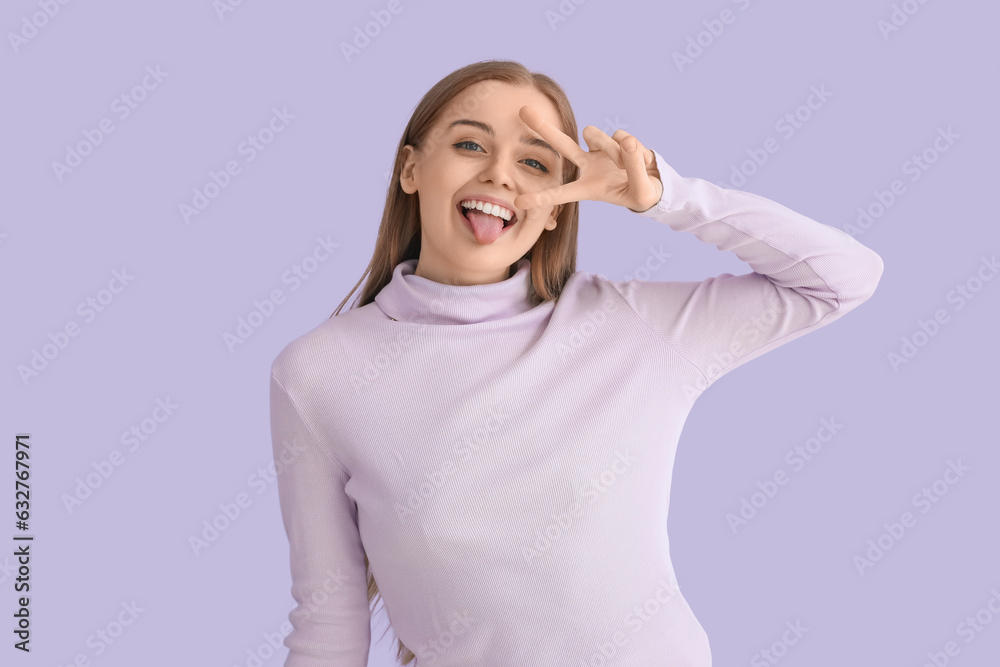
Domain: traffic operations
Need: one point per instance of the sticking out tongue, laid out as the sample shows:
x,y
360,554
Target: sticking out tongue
x,y
486,227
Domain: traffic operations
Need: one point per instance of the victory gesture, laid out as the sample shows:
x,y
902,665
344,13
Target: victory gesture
x,y
617,169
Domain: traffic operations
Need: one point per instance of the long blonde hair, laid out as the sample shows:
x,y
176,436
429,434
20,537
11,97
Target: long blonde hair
x,y
553,256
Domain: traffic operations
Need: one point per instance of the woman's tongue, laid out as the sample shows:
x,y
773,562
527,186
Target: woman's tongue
x,y
486,227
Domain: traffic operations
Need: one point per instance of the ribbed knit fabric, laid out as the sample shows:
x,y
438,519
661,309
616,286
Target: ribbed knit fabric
x,y
507,468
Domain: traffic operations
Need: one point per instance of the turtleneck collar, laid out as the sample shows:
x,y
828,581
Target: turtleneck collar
x,y
408,297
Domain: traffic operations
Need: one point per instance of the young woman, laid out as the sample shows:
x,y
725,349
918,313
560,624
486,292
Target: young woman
x,y
487,439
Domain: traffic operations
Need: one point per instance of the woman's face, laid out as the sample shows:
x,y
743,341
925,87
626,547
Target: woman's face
x,y
481,148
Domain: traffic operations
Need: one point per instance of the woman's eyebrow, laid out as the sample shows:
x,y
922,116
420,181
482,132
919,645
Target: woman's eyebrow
x,y
488,129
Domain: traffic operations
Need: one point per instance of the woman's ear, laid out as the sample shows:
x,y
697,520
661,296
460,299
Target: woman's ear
x,y
551,223
407,178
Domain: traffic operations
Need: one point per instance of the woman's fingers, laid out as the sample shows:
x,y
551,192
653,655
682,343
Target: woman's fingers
x,y
640,186
598,140
559,140
561,194
648,156
641,189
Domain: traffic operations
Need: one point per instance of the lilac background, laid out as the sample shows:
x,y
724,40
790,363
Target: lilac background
x,y
325,175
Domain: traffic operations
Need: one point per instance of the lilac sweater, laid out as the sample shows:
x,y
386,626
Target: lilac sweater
x,y
507,468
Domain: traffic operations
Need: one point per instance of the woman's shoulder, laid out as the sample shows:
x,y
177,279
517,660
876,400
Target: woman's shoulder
x,y
588,286
322,349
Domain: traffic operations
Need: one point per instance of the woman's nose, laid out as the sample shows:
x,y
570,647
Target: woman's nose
x,y
500,170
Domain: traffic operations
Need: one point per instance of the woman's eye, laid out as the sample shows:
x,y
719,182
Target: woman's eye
x,y
539,164
540,167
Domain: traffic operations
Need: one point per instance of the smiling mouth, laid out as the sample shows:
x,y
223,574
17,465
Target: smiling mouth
x,y
463,212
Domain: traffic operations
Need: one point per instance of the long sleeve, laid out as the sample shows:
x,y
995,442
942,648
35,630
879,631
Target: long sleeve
x,y
805,276
331,624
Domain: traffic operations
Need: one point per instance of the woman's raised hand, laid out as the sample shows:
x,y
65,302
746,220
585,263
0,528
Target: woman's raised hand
x,y
617,169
